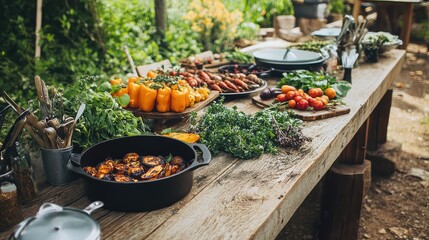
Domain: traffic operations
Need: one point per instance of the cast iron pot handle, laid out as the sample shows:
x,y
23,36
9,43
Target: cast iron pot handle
x,y
207,156
74,164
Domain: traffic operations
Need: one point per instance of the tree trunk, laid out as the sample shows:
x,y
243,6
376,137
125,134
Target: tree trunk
x,y
38,28
161,20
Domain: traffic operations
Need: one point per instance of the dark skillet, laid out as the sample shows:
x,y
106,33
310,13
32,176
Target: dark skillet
x,y
144,195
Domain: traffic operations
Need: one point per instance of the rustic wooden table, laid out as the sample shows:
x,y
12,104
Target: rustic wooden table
x,y
252,199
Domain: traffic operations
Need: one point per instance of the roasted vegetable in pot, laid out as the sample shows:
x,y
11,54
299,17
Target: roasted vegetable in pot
x,y
152,161
134,168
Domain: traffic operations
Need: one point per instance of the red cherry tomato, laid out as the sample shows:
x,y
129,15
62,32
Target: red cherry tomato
x,y
290,95
281,97
297,98
318,105
292,104
302,104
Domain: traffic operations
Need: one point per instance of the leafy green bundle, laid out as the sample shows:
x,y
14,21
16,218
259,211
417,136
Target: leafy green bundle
x,y
305,80
247,136
103,117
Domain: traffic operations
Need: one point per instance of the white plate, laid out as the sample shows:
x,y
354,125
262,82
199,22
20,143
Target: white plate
x,y
327,32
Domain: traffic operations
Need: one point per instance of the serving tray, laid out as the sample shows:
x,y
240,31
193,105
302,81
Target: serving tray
x,y
308,115
172,115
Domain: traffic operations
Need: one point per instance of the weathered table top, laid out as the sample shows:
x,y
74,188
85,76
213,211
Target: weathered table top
x,y
237,199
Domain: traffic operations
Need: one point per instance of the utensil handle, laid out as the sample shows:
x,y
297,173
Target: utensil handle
x,y
207,156
93,206
74,164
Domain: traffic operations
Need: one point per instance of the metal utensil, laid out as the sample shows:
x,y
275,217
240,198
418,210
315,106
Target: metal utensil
x,y
52,136
286,53
10,139
78,115
348,23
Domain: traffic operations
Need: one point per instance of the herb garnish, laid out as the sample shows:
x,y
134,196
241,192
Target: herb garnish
x,y
247,136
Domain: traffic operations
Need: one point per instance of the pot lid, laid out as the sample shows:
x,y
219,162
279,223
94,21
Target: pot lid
x,y
286,56
59,223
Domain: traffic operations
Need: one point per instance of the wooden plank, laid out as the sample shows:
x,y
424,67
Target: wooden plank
x,y
144,69
152,220
308,115
255,198
173,115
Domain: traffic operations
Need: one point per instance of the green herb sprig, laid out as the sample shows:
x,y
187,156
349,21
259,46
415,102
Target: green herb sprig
x,y
247,136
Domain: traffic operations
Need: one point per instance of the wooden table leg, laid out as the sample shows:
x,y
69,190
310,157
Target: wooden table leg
x,y
346,185
356,9
379,120
406,28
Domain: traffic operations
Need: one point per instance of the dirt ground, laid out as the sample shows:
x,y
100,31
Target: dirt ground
x,y
396,207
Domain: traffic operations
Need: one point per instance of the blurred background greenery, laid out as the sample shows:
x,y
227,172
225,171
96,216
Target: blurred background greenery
x,y
86,37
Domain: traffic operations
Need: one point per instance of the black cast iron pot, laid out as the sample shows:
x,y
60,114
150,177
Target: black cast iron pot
x,y
145,195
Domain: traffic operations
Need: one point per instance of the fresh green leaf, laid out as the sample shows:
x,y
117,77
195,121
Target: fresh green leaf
x,y
123,100
115,88
105,87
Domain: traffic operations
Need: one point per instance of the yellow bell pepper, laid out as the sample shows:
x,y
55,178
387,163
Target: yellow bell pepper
x,y
204,93
115,81
197,96
191,96
147,98
121,92
151,74
163,99
133,79
133,91
179,97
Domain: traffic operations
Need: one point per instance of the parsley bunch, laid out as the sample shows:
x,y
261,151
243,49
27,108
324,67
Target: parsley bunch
x,y
246,136
103,117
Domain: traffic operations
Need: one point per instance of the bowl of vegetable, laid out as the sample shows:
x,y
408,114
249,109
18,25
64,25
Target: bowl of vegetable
x,y
387,40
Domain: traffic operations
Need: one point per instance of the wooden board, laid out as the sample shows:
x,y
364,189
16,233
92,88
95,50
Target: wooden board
x,y
206,55
144,69
172,115
308,115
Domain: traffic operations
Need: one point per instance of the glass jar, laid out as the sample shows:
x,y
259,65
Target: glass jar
x,y
24,175
10,208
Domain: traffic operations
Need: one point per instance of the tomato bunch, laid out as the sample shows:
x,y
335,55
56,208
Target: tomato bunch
x,y
314,97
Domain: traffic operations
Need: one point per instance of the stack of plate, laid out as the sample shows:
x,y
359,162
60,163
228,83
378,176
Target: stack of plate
x,y
282,60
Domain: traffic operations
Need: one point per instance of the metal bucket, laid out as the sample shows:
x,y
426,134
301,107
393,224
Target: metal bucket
x,y
55,165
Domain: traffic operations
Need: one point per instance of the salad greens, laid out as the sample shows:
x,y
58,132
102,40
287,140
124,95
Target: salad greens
x,y
239,57
305,80
247,136
103,117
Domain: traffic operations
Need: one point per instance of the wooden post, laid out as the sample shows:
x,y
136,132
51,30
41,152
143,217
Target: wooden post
x,y
379,120
161,21
37,51
407,22
356,9
344,190
345,187
355,151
